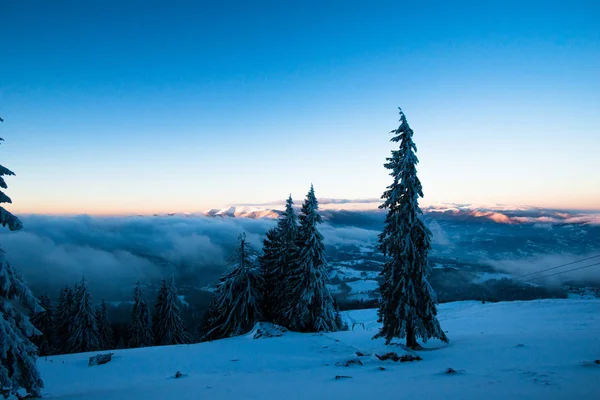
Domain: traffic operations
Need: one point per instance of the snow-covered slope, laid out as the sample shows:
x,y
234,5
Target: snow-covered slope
x,y
526,350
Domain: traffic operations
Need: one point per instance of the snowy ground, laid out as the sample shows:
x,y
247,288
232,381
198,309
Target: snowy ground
x,y
527,350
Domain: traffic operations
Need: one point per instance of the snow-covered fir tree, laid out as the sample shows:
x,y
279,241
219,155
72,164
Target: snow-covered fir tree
x,y
269,271
140,330
18,370
309,306
279,250
63,320
84,335
408,303
105,333
44,322
237,305
169,327
6,218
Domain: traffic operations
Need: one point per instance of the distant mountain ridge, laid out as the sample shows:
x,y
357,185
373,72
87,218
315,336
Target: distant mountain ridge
x,y
501,214
244,212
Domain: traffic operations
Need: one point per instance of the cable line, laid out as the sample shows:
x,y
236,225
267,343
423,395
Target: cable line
x,y
564,272
553,268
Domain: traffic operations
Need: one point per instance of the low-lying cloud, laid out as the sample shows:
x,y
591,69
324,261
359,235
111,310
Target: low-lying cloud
x,y
115,252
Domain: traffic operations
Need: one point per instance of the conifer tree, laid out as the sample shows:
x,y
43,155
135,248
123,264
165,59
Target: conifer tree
x,y
44,322
84,335
269,272
236,306
207,320
140,330
168,324
6,218
105,333
63,320
121,344
309,306
279,249
408,303
18,370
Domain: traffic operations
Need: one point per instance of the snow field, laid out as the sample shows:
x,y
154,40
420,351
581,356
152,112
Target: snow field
x,y
523,350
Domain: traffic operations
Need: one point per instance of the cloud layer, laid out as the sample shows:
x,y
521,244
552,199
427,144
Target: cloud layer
x,y
114,252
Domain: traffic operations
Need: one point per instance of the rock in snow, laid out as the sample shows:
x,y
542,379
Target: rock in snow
x,y
100,359
264,330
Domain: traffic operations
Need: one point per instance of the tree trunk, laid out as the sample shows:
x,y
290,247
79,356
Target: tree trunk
x,y
411,340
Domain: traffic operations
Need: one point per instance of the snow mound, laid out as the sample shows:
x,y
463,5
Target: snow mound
x,y
263,330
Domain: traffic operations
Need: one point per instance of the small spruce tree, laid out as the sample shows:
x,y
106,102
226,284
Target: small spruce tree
x,y
140,330
120,343
309,306
168,324
84,335
279,250
105,333
408,303
44,322
63,320
236,306
18,370
269,271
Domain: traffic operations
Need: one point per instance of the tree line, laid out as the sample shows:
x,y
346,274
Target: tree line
x,y
286,285
74,325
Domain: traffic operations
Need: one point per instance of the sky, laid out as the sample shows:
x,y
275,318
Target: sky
x,y
117,107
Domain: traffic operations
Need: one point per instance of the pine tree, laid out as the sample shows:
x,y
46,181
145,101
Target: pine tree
x,y
408,303
279,249
309,306
44,322
270,273
168,324
140,330
63,320
121,344
236,306
105,333
84,335
18,368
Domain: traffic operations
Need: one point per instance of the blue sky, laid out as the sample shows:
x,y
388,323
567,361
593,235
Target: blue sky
x,y
181,106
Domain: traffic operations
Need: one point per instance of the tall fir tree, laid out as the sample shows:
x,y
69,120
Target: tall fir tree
x,y
44,322
63,320
279,250
105,333
140,330
84,335
18,370
237,305
408,303
309,306
169,327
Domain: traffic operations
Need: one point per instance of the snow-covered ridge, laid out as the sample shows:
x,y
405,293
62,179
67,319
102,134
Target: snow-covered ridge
x,y
501,214
498,351
244,212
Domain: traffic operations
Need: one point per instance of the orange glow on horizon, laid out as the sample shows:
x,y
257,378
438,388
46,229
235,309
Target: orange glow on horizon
x,y
150,209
